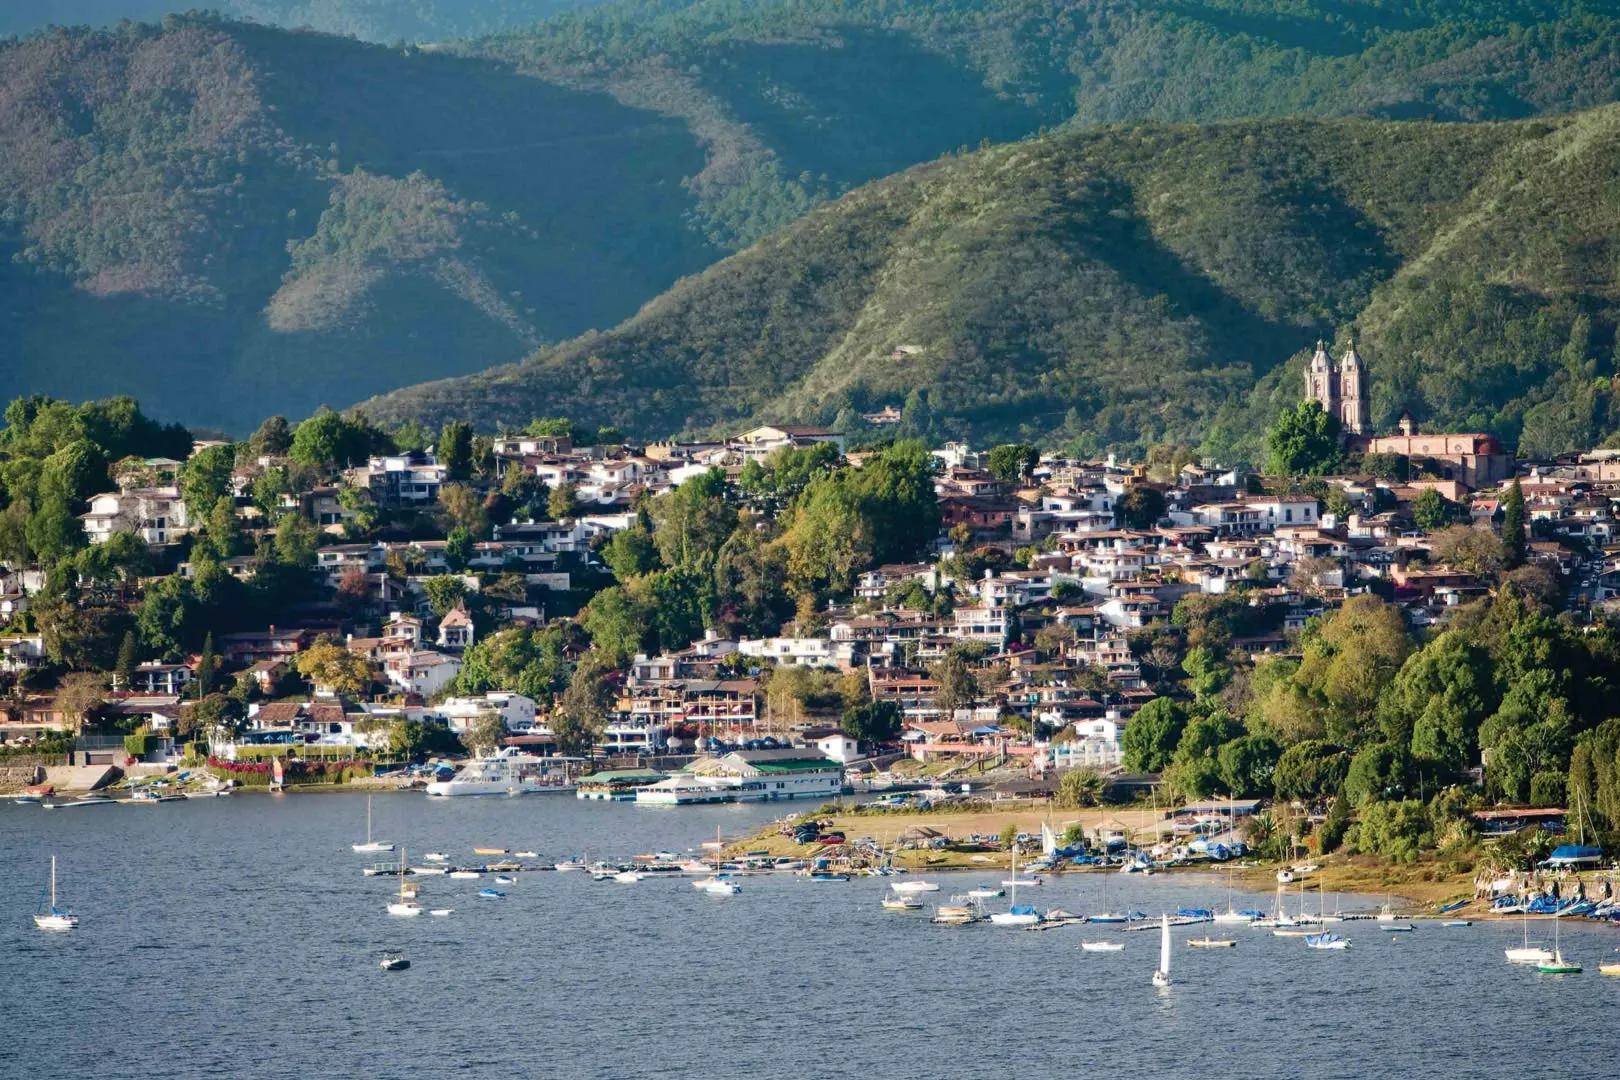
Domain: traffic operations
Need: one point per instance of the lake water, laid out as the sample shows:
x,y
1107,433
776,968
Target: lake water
x,y
237,937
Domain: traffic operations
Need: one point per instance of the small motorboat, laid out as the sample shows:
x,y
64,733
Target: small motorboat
x,y
627,877
829,877
987,892
1102,946
1328,941
491,894
1609,969
526,854
901,902
1207,942
430,871
719,885
441,912
1399,928
570,864
490,851
465,875
394,962
505,879
1457,922
908,887
436,856
1021,882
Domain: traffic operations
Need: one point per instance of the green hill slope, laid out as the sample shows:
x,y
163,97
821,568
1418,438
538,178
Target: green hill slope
x,y
1137,285
226,219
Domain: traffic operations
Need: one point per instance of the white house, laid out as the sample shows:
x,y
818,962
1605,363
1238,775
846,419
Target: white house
x,y
424,673
840,748
156,515
515,709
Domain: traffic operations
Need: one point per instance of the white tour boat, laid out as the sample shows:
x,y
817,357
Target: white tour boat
x,y
506,772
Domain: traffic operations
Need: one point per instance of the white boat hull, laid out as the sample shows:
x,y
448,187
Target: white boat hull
x,y
56,922
1101,946
373,847
404,911
1529,956
1007,918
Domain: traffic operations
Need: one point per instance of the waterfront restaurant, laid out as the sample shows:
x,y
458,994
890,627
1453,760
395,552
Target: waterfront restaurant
x,y
749,776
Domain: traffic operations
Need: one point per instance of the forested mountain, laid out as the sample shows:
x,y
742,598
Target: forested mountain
x,y
227,220
369,20
1140,284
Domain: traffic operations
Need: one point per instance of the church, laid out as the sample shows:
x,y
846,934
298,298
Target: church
x,y
1341,388
1473,459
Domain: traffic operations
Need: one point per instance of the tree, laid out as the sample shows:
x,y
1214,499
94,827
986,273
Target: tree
x,y
53,530
458,549
532,662
691,522
274,438
584,713
1152,735
1248,764
1140,507
1081,787
74,473
79,698
562,502
1432,510
1378,773
484,733
83,637
464,509
296,541
618,624
1514,546
1437,701
333,668
874,722
207,666
1310,770
1012,462
956,686
1473,550
125,667
526,495
1304,440
206,479
456,450
630,553
444,592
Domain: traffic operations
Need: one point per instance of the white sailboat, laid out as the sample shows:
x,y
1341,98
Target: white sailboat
x,y
406,906
1161,977
1016,914
1528,953
1231,914
370,844
52,917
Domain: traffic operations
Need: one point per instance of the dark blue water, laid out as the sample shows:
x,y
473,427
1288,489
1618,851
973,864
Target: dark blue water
x,y
237,937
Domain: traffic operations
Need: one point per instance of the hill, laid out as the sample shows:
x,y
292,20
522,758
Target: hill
x,y
368,20
227,219
1139,285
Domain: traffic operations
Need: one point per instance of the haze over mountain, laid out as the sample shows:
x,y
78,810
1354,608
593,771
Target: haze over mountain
x,y
229,220
1138,285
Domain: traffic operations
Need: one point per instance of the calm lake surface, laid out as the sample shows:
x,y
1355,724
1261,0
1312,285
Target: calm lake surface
x,y
237,937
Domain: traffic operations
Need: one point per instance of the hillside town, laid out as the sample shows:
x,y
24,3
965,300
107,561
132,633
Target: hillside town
x,y
522,591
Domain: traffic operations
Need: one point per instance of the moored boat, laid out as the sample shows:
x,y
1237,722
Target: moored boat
x,y
1102,946
50,916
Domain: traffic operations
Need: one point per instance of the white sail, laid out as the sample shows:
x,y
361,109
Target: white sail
x,y
1164,947
1049,844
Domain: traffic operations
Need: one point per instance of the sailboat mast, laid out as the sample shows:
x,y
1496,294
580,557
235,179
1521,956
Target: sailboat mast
x,y
53,884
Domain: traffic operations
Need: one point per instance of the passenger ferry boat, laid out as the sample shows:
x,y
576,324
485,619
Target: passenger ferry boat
x,y
507,772
748,776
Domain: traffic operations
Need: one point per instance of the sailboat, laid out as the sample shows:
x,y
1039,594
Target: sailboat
x,y
1108,916
406,906
52,917
1016,914
1528,953
370,844
1558,965
1161,977
1232,914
